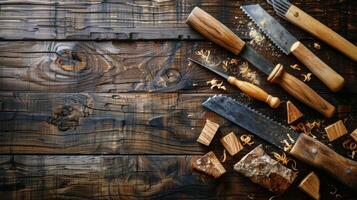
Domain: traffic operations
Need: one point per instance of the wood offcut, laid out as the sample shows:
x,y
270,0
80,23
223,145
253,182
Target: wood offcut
x,y
293,112
354,135
208,132
336,130
231,143
311,185
210,165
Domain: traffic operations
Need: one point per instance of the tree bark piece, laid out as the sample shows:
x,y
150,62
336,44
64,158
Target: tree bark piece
x,y
231,143
208,132
293,112
335,130
311,185
354,135
210,165
259,167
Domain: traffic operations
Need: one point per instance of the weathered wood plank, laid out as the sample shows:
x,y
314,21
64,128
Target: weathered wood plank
x,y
91,123
137,19
136,67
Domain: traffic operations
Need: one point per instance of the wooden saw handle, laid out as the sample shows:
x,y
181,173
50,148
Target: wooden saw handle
x,y
301,91
320,69
319,155
319,30
255,92
214,30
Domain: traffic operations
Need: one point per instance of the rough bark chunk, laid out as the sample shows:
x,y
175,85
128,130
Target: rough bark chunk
x,y
210,165
231,143
259,167
335,130
208,132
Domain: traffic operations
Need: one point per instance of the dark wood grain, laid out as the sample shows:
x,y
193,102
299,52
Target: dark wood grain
x,y
59,19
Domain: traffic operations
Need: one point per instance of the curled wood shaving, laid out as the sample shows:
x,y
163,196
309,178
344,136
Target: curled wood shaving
x,y
224,156
287,146
351,145
273,197
307,77
307,127
251,196
334,191
296,67
248,74
247,139
215,84
291,139
338,196
204,54
317,45
225,65
284,159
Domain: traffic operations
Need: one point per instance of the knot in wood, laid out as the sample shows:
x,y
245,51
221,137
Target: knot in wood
x,y
71,60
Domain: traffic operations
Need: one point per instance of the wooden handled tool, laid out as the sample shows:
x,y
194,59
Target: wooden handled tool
x,y
212,29
247,88
303,20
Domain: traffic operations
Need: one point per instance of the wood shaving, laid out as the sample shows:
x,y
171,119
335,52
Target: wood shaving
x,y
338,196
287,146
334,191
204,54
296,67
233,62
189,63
225,65
247,139
307,77
307,127
248,74
291,139
350,145
283,159
224,156
256,36
251,196
317,45
216,84
273,197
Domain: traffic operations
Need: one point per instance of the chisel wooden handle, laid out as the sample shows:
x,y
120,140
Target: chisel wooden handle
x,y
319,155
301,91
319,30
255,92
327,75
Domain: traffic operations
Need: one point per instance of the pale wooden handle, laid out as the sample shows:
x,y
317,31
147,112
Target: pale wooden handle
x,y
327,75
255,92
319,155
214,30
301,91
319,30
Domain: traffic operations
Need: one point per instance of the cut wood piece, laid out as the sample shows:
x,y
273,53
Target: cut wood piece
x,y
259,167
335,130
311,185
293,112
354,135
231,143
208,132
210,165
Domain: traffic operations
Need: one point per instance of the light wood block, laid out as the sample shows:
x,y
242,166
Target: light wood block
x,y
231,143
354,135
210,165
311,185
336,130
208,132
293,112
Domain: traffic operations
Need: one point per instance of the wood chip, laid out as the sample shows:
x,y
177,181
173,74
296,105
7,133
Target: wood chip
x,y
307,77
231,143
354,135
295,66
259,167
317,45
210,165
311,185
293,112
335,130
208,132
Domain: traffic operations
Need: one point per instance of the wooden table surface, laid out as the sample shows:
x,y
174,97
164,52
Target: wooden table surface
x,y
98,101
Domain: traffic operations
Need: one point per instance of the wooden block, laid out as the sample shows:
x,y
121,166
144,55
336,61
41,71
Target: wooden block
x,y
260,168
335,130
231,143
293,112
311,185
210,165
208,132
354,135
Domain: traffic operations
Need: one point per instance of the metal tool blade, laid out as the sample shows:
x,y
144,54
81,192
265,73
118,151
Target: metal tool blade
x,y
209,68
270,27
251,120
257,60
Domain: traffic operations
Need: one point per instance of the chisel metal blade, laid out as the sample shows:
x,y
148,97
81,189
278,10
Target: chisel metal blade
x,y
251,120
270,27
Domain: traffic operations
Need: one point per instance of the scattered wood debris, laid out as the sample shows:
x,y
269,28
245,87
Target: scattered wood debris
x,y
204,54
317,45
247,139
311,185
287,145
295,66
210,165
255,35
351,145
335,130
259,167
224,156
307,127
248,74
307,77
208,132
283,159
231,143
354,135
273,197
216,84
334,192
293,112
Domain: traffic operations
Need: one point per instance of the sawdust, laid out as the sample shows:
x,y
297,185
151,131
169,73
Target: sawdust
x,y
248,74
216,84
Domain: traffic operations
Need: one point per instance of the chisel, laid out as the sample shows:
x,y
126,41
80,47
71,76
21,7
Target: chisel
x,y
212,29
246,87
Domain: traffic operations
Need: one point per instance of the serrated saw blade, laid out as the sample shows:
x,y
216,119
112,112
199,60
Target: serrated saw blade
x,y
252,120
270,27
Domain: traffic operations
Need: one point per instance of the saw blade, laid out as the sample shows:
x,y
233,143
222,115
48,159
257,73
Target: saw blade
x,y
270,27
252,120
